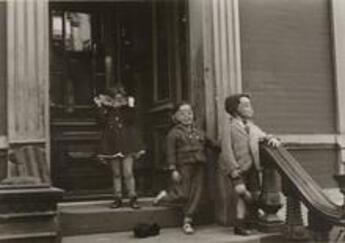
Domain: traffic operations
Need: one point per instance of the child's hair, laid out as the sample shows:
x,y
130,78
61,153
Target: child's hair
x,y
118,89
176,107
231,103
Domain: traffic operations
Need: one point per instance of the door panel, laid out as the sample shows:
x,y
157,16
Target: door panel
x,y
170,80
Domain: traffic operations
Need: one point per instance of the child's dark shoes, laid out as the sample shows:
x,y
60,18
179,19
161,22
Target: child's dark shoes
x,y
116,203
133,203
242,231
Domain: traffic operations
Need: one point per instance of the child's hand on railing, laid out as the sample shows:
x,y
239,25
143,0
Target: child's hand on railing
x,y
274,142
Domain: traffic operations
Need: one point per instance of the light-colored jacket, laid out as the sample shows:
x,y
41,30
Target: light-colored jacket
x,y
240,148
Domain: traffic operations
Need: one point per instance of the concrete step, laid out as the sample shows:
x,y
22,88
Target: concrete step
x,y
96,217
203,234
43,237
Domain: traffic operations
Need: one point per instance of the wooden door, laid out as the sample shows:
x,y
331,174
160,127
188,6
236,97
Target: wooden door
x,y
77,73
170,83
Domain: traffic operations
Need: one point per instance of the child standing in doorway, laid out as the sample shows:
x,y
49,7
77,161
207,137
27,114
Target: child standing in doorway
x,y
240,158
186,157
121,142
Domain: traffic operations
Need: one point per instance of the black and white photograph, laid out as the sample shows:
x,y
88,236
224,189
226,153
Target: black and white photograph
x,y
167,121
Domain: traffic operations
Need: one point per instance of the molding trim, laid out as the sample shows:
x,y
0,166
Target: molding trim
x,y
338,28
3,142
309,139
28,141
338,24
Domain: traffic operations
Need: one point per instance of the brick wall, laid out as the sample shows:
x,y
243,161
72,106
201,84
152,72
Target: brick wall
x,y
287,64
287,67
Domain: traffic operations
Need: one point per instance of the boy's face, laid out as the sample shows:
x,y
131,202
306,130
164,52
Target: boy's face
x,y
185,115
245,109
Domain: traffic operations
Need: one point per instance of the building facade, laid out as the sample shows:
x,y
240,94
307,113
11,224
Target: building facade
x,y
55,56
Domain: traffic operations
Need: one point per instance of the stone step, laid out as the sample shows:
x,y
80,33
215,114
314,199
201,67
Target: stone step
x,y
96,217
43,237
204,234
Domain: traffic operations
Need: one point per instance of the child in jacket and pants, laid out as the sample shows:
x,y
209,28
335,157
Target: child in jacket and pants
x,y
240,158
186,156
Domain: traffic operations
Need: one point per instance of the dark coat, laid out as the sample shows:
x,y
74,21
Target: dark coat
x,y
119,131
186,146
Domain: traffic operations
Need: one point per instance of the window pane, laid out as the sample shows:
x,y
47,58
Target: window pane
x,y
77,31
57,27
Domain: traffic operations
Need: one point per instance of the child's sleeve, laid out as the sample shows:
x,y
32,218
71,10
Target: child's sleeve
x,y
102,114
263,136
228,163
212,144
131,115
171,150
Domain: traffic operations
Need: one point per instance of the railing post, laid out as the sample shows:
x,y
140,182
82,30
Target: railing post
x,y
319,227
270,200
294,228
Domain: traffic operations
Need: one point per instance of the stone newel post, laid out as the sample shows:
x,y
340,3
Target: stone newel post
x,y
270,200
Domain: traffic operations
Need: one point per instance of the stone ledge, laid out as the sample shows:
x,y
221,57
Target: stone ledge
x,y
29,214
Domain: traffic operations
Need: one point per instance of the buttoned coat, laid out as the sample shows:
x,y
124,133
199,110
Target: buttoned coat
x,y
185,146
240,146
119,131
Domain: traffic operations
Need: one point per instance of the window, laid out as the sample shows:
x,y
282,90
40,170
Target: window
x,y
71,31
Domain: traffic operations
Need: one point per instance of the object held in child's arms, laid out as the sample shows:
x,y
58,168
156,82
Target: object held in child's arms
x,y
110,156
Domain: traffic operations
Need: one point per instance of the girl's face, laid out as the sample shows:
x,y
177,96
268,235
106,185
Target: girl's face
x,y
119,99
106,99
185,115
245,109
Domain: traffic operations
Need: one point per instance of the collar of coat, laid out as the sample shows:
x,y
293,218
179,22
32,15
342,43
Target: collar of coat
x,y
238,122
185,129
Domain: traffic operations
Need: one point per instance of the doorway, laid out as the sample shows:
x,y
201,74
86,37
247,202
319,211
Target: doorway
x,y
142,45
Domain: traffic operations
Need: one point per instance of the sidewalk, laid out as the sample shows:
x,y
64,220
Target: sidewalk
x,y
209,234
204,234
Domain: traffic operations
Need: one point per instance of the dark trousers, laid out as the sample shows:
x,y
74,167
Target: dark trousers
x,y
251,180
189,189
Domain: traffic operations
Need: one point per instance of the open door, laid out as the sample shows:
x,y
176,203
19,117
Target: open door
x,y
93,45
77,73
170,83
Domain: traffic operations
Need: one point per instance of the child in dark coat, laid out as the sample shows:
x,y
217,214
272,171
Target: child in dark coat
x,y
240,158
186,157
121,141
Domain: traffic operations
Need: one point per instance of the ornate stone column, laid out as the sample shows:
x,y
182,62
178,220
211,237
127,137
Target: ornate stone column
x,y
28,73
28,213
215,73
338,22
